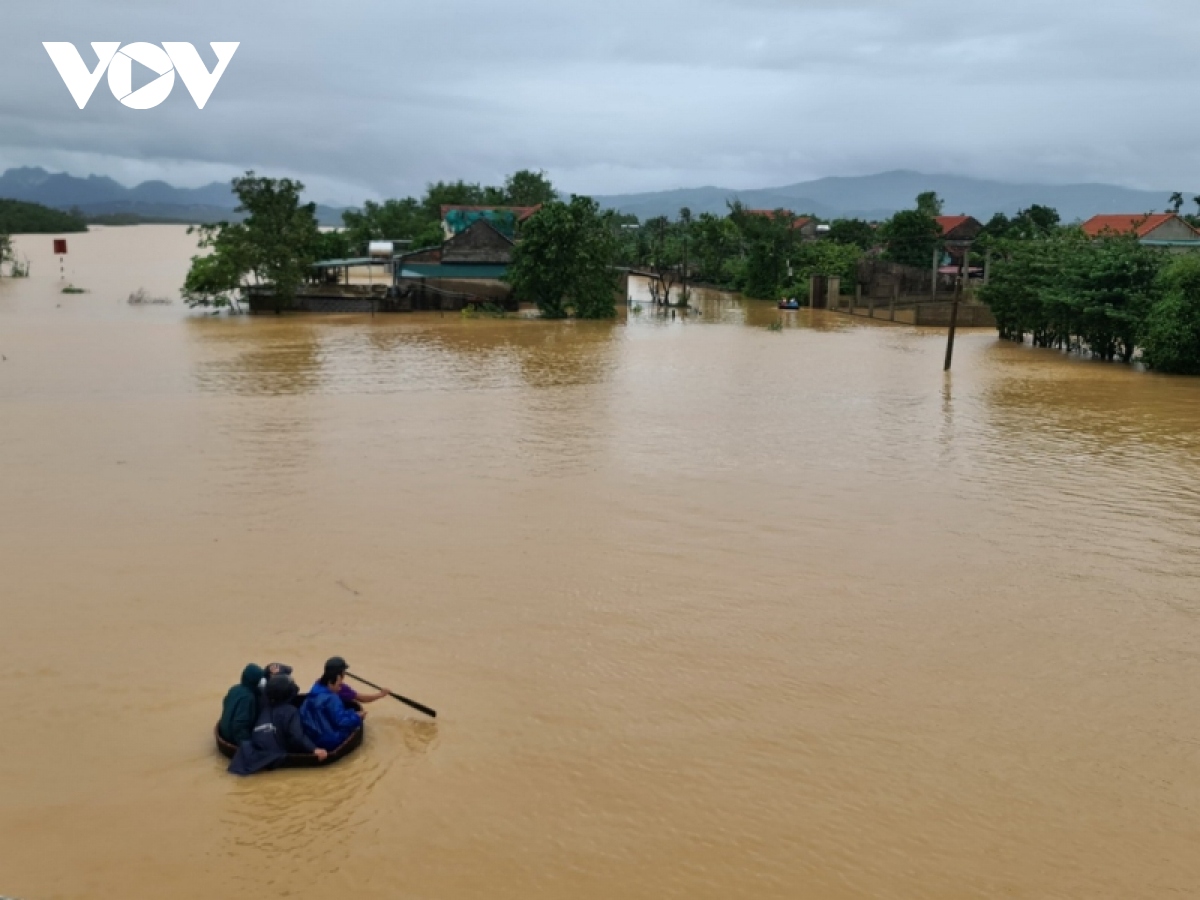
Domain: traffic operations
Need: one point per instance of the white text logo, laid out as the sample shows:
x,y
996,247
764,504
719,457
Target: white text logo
x,y
118,60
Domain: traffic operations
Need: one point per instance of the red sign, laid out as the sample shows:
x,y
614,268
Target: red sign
x,y
60,246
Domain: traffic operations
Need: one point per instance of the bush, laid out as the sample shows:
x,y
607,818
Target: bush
x,y
1171,336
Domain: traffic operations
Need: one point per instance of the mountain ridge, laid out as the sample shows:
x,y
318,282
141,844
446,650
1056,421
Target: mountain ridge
x,y
879,196
98,195
872,197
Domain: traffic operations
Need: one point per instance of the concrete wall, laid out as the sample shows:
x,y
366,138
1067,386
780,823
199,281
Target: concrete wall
x,y
917,310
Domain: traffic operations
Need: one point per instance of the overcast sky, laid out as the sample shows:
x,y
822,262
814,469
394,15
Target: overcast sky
x,y
376,98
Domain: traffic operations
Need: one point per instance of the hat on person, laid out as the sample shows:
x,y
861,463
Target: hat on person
x,y
336,664
281,669
280,689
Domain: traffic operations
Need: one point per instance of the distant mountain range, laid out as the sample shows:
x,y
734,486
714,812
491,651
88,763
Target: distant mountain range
x,y
871,197
100,196
876,197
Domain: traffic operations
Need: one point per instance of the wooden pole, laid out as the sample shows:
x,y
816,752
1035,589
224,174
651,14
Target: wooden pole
x,y
954,308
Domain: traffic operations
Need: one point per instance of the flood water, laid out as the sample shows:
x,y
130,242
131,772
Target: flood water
x,y
707,610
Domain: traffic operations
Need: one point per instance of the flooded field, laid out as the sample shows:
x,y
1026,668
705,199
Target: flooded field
x,y
708,611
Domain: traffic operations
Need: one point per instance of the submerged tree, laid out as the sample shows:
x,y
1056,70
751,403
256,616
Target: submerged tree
x,y
274,245
1171,335
6,250
564,263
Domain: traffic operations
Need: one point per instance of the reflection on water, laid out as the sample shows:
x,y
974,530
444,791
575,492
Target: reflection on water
x,y
419,352
707,610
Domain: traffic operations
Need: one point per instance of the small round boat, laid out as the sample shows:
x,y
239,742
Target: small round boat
x,y
300,760
789,304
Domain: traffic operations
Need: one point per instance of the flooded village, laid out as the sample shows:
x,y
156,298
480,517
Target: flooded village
x,y
726,589
662,451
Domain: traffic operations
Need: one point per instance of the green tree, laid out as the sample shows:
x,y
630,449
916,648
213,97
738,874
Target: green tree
x,y
405,219
853,232
1071,292
19,217
457,193
526,188
1171,336
275,245
769,242
929,203
565,261
1176,202
823,258
6,250
716,244
911,236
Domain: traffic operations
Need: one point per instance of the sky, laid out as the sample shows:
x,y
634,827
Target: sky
x,y
376,98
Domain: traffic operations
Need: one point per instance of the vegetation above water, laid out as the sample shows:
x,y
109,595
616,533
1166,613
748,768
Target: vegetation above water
x,y
1108,298
19,217
1112,297
564,262
420,220
275,244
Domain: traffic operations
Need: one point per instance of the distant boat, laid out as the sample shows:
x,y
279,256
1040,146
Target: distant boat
x,y
789,303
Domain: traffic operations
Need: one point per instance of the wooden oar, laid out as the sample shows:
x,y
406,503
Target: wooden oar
x,y
413,703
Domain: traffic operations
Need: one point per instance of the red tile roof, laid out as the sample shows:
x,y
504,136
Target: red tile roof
x,y
1140,224
949,223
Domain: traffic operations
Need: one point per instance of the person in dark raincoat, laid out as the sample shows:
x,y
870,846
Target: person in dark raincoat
x,y
240,707
277,732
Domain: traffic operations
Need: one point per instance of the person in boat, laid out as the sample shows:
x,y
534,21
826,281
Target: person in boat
x,y
348,694
239,710
327,719
277,732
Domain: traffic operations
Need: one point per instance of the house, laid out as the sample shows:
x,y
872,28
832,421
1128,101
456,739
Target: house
x,y
806,225
958,232
468,268
1152,229
959,228
505,219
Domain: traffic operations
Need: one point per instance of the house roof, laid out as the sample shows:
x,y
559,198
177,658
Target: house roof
x,y
1140,224
521,212
949,223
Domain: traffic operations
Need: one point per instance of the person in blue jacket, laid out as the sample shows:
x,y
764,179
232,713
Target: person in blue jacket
x,y
326,719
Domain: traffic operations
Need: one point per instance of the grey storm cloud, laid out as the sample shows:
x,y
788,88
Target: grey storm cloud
x,y
376,98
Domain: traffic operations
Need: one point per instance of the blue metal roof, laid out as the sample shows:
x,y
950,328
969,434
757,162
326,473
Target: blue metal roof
x,y
461,271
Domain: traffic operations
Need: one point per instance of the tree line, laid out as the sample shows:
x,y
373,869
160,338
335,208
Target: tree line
x,y
1110,297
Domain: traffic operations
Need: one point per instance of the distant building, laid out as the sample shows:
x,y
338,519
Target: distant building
x,y
959,228
1152,229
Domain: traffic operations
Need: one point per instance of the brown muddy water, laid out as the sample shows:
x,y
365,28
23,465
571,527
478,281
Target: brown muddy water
x,y
708,611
